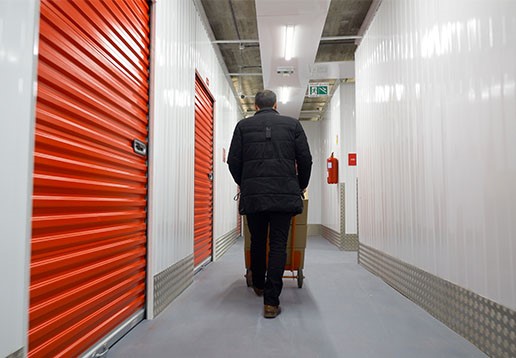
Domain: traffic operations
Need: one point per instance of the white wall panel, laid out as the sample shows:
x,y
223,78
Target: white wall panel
x,y
313,133
226,115
348,145
18,59
436,129
225,208
171,191
180,47
331,142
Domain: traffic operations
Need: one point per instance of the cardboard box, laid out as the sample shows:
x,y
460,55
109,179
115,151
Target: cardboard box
x,y
303,217
299,240
299,259
247,234
300,237
300,219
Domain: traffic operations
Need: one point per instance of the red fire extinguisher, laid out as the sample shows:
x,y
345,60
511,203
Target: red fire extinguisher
x,y
332,165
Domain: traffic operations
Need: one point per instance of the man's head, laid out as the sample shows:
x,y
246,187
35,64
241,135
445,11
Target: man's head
x,y
265,99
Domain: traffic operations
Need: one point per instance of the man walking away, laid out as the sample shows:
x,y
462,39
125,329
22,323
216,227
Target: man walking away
x,y
270,160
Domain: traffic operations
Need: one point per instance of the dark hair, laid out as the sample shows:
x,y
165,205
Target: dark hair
x,y
265,99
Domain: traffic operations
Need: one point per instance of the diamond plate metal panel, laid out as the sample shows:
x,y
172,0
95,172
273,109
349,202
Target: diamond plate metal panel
x,y
348,242
169,283
342,199
487,324
358,223
17,354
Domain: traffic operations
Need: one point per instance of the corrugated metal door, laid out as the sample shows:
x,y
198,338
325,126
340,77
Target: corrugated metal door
x,y
203,211
89,206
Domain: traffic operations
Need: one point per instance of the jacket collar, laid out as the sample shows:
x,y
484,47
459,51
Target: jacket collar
x,y
266,110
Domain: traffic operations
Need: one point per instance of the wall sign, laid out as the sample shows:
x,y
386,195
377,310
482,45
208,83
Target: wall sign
x,y
352,159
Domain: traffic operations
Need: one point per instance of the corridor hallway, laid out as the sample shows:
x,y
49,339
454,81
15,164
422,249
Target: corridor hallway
x,y
341,311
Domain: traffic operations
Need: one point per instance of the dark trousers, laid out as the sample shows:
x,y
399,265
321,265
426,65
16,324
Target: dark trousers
x,y
278,226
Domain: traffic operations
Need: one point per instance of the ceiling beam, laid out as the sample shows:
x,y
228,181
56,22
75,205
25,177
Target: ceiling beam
x,y
243,74
368,19
329,38
235,42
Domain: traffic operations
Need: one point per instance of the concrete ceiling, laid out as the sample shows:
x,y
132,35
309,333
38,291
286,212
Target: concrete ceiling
x,y
249,34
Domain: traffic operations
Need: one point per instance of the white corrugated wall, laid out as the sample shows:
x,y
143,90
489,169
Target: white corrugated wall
x,y
18,58
331,142
436,109
171,189
226,115
318,177
181,46
348,145
225,208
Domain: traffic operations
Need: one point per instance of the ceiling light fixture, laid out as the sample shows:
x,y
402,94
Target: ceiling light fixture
x,y
289,41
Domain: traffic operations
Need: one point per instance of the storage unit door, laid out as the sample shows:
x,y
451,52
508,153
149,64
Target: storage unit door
x,y
88,259
203,211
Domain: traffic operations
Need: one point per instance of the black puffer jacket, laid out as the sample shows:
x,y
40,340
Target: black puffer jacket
x,y
262,159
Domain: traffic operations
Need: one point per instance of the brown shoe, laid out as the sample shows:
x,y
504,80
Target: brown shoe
x,y
258,291
271,311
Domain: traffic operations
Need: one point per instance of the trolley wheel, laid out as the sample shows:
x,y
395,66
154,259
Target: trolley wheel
x,y
300,278
248,278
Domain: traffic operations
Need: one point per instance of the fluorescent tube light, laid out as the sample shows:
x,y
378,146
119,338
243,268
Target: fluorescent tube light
x,y
284,94
289,41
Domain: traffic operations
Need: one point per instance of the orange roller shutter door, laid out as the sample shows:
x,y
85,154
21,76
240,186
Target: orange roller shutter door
x,y
88,255
203,203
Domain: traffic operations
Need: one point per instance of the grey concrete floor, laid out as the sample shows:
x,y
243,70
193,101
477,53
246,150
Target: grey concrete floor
x,y
341,311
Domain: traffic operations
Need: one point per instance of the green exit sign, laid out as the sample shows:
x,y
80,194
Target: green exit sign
x,y
318,89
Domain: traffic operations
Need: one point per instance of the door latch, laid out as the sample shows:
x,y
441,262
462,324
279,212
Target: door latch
x,y
139,147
